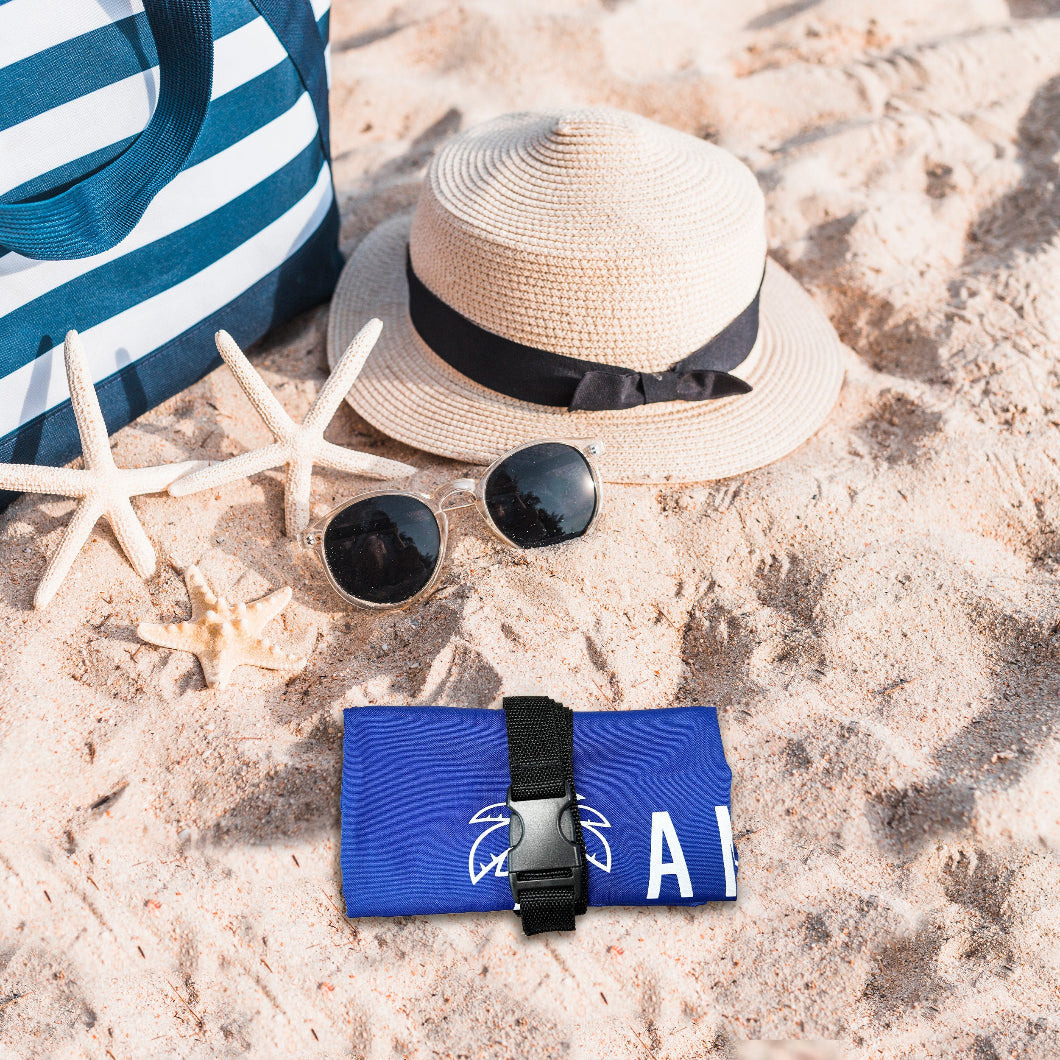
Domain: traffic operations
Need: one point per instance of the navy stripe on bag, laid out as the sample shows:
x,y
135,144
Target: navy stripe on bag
x,y
242,234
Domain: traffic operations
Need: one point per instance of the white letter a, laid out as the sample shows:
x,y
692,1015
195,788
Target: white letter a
x,y
661,825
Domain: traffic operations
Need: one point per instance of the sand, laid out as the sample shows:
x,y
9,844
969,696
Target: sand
x,y
876,617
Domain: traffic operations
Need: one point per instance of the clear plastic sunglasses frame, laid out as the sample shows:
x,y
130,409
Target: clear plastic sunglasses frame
x,y
462,493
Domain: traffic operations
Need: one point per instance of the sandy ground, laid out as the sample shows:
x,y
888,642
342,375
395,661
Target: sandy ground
x,y
876,617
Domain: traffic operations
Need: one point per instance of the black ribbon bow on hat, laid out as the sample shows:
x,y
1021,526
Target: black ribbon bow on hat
x,y
545,378
608,388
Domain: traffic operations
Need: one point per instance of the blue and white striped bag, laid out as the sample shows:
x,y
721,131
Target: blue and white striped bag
x,y
163,173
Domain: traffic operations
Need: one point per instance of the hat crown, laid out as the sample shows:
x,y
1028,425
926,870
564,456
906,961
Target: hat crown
x,y
591,232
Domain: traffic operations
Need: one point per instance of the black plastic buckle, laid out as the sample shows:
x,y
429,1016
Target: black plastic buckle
x,y
542,853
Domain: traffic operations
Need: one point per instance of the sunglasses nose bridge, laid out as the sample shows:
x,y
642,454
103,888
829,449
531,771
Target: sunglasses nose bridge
x,y
461,494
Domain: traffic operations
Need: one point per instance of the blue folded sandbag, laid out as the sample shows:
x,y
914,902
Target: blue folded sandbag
x,y
425,820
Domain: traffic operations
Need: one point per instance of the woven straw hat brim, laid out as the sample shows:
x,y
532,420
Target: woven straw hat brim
x,y
411,394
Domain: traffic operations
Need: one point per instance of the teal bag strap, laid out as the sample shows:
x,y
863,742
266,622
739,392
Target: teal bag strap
x,y
101,210
296,28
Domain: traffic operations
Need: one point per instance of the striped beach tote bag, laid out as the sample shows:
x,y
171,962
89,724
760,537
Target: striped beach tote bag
x,y
164,172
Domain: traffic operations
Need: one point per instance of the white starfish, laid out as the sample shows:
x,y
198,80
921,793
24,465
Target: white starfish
x,y
222,634
298,446
104,488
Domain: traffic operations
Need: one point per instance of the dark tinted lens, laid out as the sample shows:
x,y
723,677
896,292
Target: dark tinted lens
x,y
383,549
541,495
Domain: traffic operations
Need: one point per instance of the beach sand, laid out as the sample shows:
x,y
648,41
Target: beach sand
x,y
876,617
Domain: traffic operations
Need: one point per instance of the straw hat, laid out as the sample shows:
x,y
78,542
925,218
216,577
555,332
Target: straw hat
x,y
603,237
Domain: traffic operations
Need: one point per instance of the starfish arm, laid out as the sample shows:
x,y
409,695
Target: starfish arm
x,y
338,384
296,496
76,534
132,537
256,389
202,597
236,467
270,657
260,612
180,636
140,480
217,666
342,459
95,443
62,481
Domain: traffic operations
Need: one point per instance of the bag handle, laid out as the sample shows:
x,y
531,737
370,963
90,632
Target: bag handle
x,y
101,210
295,25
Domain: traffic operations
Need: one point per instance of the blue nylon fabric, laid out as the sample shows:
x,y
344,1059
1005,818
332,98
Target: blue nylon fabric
x,y
421,784
97,213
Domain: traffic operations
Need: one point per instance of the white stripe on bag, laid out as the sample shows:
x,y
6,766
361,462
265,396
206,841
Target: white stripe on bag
x,y
77,128
31,26
192,194
725,832
126,337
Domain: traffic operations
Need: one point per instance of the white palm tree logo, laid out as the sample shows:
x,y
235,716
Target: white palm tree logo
x,y
496,816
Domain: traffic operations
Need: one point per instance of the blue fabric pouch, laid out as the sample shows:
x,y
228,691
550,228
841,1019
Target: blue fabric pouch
x,y
425,821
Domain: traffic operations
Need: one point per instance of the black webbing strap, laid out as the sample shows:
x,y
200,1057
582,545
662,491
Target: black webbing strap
x,y
541,762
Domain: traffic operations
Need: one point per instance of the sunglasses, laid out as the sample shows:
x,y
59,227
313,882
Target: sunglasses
x,y
386,548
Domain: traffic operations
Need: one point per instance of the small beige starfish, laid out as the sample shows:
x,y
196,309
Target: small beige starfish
x,y
224,635
103,488
298,446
